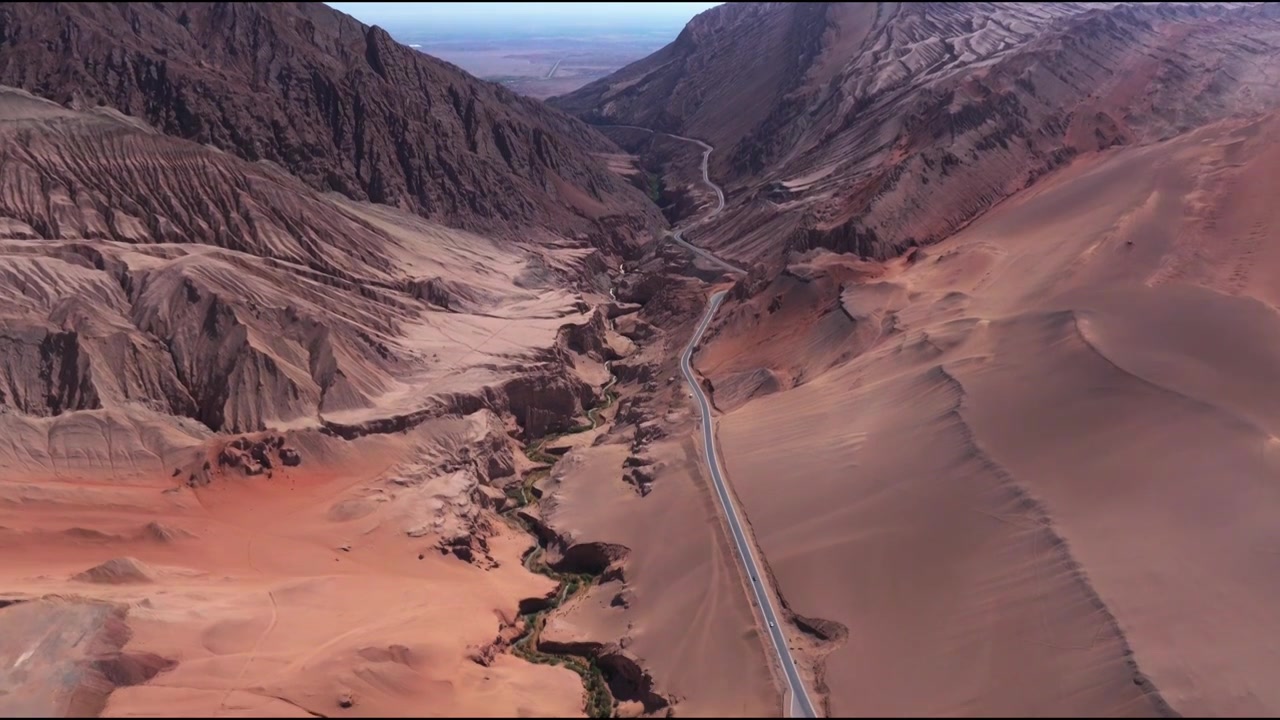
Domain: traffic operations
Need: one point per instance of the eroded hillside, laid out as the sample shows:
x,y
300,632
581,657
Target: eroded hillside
x,y
873,128
196,347
336,103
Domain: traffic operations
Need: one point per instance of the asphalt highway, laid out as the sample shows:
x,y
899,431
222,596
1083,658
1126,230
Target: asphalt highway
x,y
799,705
798,702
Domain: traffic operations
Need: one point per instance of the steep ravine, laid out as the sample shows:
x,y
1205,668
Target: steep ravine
x,y
600,701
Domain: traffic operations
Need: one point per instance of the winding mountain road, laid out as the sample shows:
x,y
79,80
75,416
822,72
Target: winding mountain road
x,y
799,704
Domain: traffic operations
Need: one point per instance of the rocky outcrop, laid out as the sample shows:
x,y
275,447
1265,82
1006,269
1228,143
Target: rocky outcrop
x,y
614,310
471,547
639,288
627,678
646,432
290,457
537,604
541,402
117,571
639,471
640,478
448,491
508,632
250,456
637,371
589,338
635,329
590,558
547,404
674,301
565,554
749,286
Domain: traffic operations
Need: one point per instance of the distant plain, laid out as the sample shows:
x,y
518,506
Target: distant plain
x,y
541,65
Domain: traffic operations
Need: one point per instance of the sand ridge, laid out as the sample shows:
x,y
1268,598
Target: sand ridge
x,y
1049,401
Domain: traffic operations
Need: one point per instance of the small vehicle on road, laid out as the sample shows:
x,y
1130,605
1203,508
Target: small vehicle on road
x,y
770,623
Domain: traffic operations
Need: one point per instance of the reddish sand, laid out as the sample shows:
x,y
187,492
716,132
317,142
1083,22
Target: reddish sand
x,y
688,619
1052,465
282,596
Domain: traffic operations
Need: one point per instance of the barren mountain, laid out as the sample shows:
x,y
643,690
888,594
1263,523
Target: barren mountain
x,y
242,410
337,382
998,407
149,271
338,104
186,334
874,127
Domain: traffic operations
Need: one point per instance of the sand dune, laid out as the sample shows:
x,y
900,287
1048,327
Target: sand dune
x,y
1044,486
117,571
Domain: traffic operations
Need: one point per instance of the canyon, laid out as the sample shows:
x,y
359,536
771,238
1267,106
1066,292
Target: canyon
x,y
994,394
337,382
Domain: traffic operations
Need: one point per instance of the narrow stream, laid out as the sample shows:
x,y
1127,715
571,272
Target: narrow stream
x,y
599,699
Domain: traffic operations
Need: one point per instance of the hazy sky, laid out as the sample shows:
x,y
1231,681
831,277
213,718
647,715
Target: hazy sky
x,y
545,14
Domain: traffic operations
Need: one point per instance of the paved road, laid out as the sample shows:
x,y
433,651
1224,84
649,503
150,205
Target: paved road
x,y
553,69
799,704
678,235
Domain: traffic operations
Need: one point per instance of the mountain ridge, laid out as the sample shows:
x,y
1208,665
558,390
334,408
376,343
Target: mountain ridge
x,y
881,127
337,103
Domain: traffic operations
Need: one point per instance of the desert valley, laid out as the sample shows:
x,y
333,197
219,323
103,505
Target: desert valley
x,y
835,359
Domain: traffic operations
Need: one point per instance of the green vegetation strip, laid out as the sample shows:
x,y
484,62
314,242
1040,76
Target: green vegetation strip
x,y
656,186
599,700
